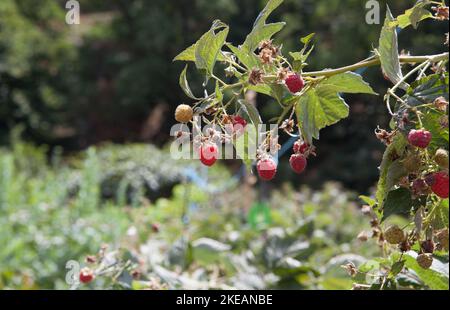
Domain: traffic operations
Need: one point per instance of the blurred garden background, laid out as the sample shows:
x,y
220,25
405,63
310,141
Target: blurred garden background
x,y
85,118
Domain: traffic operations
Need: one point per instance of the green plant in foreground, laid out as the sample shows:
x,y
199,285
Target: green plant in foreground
x,y
414,171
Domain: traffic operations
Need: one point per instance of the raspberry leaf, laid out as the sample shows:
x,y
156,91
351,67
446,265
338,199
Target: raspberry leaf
x,y
251,111
435,278
413,16
208,48
249,60
388,51
186,55
440,219
394,151
319,108
262,31
398,201
185,85
348,82
301,57
440,135
427,89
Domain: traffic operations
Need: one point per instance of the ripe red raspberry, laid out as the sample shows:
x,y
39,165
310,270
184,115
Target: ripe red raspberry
x,y
209,153
86,275
300,147
267,169
298,163
239,124
440,184
419,138
294,83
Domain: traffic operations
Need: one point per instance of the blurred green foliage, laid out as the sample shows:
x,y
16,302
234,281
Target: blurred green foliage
x,y
44,223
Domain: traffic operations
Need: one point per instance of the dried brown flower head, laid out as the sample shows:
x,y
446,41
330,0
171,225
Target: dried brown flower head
x,y
441,104
384,136
256,77
442,12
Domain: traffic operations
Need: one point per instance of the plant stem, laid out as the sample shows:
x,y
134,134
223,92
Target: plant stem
x,y
376,62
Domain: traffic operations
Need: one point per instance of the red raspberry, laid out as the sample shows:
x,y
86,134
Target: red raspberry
x,y
86,275
267,169
300,147
155,228
419,138
209,153
294,83
440,184
298,163
239,124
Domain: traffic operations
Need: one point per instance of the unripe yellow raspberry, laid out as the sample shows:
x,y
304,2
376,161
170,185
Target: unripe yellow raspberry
x,y
441,158
394,235
184,113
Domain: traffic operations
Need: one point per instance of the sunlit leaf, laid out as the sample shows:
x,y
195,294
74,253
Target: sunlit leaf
x,y
185,85
319,108
249,60
262,31
348,82
435,278
208,48
187,55
414,15
388,51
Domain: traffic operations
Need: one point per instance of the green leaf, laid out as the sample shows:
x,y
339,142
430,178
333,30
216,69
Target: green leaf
x,y
398,201
413,16
252,112
249,60
299,58
260,34
435,278
368,200
305,40
270,7
262,89
427,89
207,49
369,266
440,219
331,283
218,91
319,108
262,31
440,135
392,153
348,82
185,85
187,55
322,106
277,91
388,51
395,172
397,268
